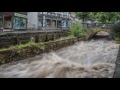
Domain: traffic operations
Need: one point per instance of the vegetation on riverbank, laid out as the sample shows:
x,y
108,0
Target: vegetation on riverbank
x,y
23,51
31,49
31,43
77,30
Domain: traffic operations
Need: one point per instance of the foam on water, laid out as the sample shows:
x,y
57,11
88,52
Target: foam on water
x,y
90,59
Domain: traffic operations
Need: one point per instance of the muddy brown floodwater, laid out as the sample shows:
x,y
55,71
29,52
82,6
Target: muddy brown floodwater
x,y
85,59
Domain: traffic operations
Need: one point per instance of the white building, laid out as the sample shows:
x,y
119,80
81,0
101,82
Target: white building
x,y
48,20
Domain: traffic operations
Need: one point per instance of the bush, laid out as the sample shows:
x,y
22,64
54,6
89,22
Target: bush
x,y
76,29
115,30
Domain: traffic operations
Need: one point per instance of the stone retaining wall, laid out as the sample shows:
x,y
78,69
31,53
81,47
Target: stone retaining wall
x,y
10,39
15,54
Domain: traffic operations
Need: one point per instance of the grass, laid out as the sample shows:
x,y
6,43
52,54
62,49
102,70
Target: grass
x,y
66,37
3,49
24,45
117,39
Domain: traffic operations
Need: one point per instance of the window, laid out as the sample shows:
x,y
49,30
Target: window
x,y
40,12
59,24
65,13
49,13
56,13
69,23
20,23
7,22
44,12
63,23
48,23
40,22
53,23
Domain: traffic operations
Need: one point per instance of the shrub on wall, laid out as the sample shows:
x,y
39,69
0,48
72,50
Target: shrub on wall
x,y
115,31
76,29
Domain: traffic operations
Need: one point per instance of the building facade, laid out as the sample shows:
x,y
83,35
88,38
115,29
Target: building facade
x,y
13,21
48,20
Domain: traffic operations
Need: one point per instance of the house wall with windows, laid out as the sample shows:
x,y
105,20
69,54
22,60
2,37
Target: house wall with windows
x,y
48,20
13,21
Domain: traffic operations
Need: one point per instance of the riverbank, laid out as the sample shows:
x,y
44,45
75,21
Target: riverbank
x,y
24,51
117,69
32,49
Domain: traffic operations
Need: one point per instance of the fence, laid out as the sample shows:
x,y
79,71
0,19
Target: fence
x,y
100,25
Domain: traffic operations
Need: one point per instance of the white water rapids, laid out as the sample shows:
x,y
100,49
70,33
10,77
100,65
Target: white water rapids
x,y
86,59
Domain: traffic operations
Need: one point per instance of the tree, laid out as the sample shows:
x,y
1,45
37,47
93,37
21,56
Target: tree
x,y
107,17
117,16
102,17
83,15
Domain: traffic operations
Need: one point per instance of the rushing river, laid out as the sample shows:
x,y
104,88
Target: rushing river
x,y
89,59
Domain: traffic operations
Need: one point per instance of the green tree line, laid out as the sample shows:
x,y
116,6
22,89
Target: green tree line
x,y
102,17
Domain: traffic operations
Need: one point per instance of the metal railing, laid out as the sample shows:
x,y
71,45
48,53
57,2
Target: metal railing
x,y
100,25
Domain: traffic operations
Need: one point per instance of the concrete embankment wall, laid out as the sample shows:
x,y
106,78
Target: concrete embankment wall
x,y
117,69
15,54
11,39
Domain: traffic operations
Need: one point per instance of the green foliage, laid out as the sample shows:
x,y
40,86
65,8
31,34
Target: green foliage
x,y
115,29
103,17
83,15
3,49
66,37
31,43
107,17
25,45
20,46
76,29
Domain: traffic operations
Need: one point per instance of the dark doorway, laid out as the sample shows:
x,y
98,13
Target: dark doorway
x,y
7,24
